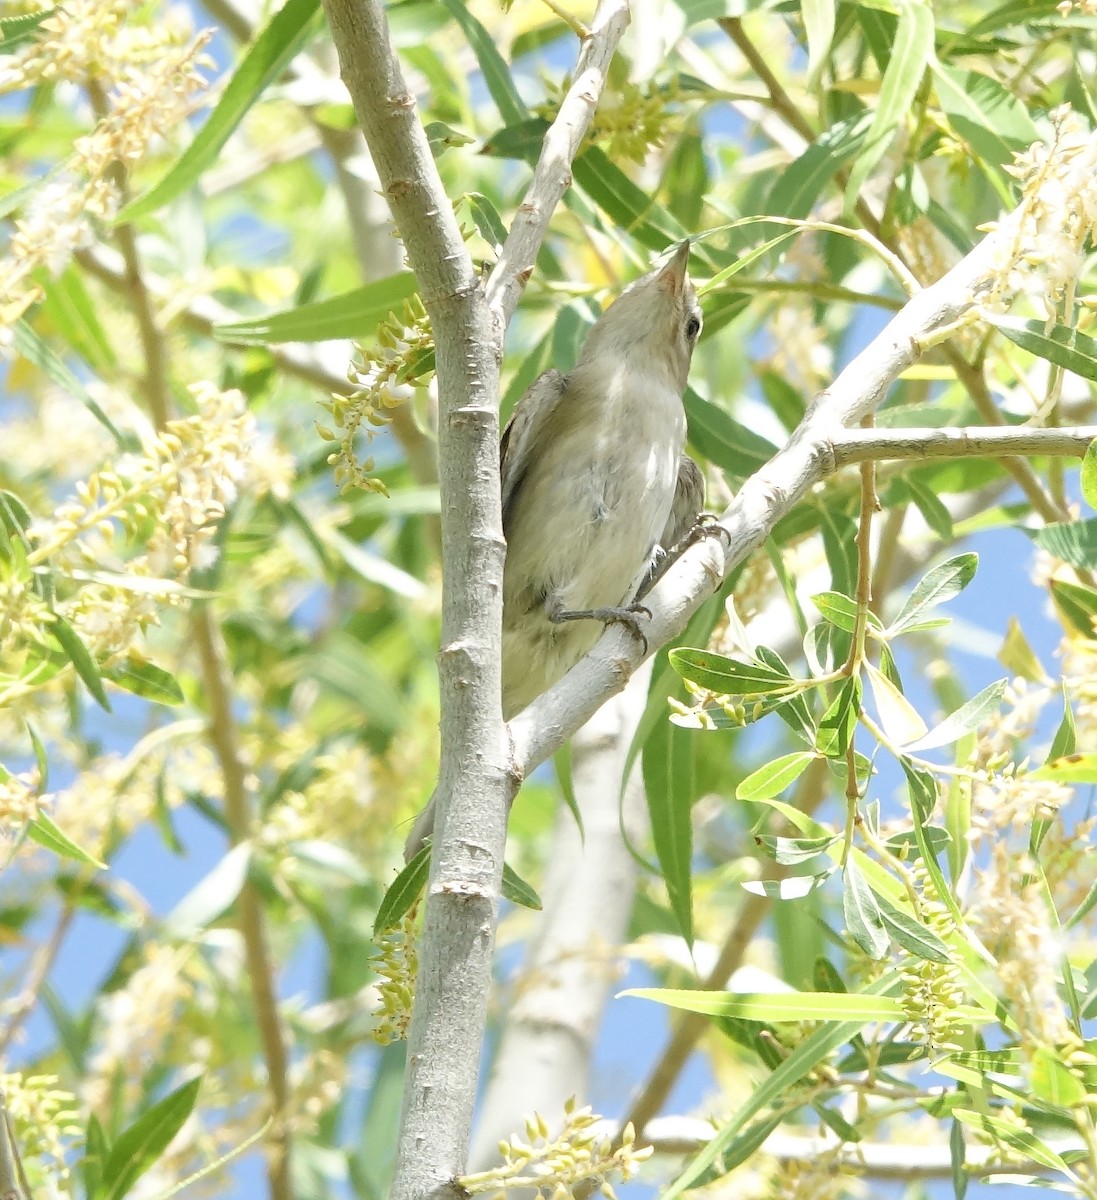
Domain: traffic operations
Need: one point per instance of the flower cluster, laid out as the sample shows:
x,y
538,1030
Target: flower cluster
x,y
1056,220
579,1155
628,122
154,76
44,1118
932,991
401,361
397,963
167,499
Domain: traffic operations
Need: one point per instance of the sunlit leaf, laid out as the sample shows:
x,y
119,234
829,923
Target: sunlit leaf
x,y
934,588
864,922
966,718
138,1147
772,778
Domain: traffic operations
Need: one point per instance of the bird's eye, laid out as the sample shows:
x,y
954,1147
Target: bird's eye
x,y
693,328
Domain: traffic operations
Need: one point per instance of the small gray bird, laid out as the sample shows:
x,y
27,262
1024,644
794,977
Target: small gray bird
x,y
595,487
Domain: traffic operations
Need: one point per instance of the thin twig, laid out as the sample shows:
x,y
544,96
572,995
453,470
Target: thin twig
x,y
552,175
1005,442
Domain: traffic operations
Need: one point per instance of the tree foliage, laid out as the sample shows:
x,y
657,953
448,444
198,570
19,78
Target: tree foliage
x,y
868,762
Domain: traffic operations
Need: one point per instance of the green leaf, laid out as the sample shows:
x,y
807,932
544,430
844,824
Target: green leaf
x,y
1018,655
900,719
1020,1139
967,717
34,350
138,1147
730,1145
212,895
1089,475
914,937
984,113
840,720
789,851
957,1154
487,220
628,205
721,439
726,676
402,893
1052,1080
772,778
797,189
1075,542
14,31
939,584
818,16
352,314
864,922
1064,742
793,888
96,1153
80,657
841,611
923,797
288,32
911,51
496,72
517,891
1061,345
670,783
1072,768
69,306
773,1007
1077,604
145,679
47,834
904,844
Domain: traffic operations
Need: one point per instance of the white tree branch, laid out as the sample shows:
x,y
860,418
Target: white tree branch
x,y
450,1010
770,493
552,175
858,445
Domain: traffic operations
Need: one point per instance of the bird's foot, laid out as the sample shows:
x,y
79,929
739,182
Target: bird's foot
x,y
627,615
706,525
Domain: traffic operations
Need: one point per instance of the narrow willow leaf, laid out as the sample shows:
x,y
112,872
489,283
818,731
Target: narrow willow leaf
x,y
1052,1080
487,220
984,113
914,937
839,721
957,1151
837,609
939,584
904,844
1089,475
352,314
923,798
967,717
864,922
1071,768
772,778
277,45
1018,655
1061,345
517,891
797,189
402,893
1077,604
497,74
145,679
789,851
721,439
1075,542
901,720
670,784
911,51
80,657
1020,1139
787,889
137,1148
49,836
730,1145
818,16
778,1006
727,676
623,201
1065,741
212,895
34,350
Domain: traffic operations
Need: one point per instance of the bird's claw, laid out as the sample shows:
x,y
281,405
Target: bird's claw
x,y
627,615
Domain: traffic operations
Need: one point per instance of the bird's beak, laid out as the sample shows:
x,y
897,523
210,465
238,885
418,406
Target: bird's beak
x,y
673,275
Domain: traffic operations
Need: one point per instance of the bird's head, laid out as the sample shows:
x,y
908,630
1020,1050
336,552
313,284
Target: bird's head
x,y
654,323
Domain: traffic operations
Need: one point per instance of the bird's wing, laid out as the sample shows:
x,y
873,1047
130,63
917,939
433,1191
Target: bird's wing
x,y
523,432
689,499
